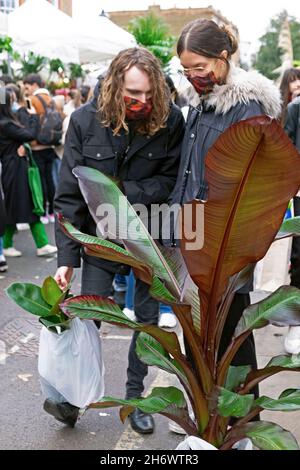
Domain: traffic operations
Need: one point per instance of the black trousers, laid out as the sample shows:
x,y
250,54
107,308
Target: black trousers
x,y
295,255
98,281
246,354
44,160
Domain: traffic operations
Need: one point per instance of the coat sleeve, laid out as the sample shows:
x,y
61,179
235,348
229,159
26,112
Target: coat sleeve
x,y
291,122
22,134
157,189
68,199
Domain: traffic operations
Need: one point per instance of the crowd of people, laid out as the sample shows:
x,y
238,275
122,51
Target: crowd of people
x,y
132,129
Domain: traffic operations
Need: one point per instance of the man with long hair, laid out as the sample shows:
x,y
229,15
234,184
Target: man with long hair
x,y
131,132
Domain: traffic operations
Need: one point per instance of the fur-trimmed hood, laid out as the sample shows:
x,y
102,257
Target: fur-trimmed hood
x,y
242,87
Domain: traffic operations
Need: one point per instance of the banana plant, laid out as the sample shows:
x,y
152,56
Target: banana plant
x,y
252,172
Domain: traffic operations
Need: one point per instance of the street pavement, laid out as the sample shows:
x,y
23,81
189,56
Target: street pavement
x,y
24,424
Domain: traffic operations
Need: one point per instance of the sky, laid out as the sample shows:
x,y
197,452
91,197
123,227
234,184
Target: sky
x,y
252,22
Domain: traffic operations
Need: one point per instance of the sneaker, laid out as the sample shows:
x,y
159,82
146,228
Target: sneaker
x,y
22,227
44,220
51,218
174,427
46,250
167,320
292,340
3,267
129,313
12,253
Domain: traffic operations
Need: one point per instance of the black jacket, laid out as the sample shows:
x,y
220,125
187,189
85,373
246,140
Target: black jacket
x,y
292,124
147,167
17,195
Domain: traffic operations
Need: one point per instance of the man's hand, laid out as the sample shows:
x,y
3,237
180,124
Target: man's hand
x,y
63,276
21,151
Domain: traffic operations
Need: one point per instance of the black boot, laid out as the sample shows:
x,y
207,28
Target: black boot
x,y
141,422
63,412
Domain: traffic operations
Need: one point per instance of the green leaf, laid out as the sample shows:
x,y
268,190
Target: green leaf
x,y
50,291
285,362
282,308
29,297
158,401
289,400
52,322
265,436
236,377
234,405
289,228
97,308
128,229
152,353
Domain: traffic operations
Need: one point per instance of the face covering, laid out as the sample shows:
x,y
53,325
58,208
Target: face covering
x,y
204,85
137,110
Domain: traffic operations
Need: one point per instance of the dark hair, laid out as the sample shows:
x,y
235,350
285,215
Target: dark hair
x,y
289,76
205,37
33,78
16,89
6,113
6,79
85,90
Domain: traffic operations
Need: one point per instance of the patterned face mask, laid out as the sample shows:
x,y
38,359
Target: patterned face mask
x,y
137,110
204,85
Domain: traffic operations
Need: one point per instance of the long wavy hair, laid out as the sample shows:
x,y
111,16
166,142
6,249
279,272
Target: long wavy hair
x,y
111,105
289,76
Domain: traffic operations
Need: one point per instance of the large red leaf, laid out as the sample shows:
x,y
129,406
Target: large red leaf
x,y
253,170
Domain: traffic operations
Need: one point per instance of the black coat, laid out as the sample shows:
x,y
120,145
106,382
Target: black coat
x,y
146,165
292,124
2,216
17,196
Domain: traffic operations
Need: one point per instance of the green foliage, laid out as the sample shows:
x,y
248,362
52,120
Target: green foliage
x,y
32,63
75,71
5,44
151,32
268,57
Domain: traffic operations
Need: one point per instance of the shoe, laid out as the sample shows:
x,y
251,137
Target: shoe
x,y
51,218
129,313
3,267
174,427
46,250
44,220
141,422
22,227
63,412
167,320
292,340
12,253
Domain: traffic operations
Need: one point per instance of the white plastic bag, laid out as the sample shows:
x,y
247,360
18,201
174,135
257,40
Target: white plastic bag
x,y
71,364
195,443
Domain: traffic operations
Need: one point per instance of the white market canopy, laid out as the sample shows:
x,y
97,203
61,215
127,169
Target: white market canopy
x,y
40,27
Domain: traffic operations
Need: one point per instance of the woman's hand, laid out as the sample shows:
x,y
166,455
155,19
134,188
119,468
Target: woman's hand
x,y
63,276
21,151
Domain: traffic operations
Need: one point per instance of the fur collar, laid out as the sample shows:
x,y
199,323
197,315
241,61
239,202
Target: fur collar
x,y
241,87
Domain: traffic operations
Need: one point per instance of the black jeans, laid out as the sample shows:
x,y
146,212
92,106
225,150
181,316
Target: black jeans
x,y
295,255
45,160
98,281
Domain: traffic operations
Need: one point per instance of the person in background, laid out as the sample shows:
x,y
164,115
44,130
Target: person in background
x,y
73,102
44,155
290,91
17,195
3,263
85,93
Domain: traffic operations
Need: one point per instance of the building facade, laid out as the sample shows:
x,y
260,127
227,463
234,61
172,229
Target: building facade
x,y
7,6
175,18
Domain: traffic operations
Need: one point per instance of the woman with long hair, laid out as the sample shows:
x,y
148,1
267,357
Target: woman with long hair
x,y
226,95
289,89
17,196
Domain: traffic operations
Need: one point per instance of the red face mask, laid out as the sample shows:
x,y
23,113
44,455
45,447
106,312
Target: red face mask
x,y
204,85
136,110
